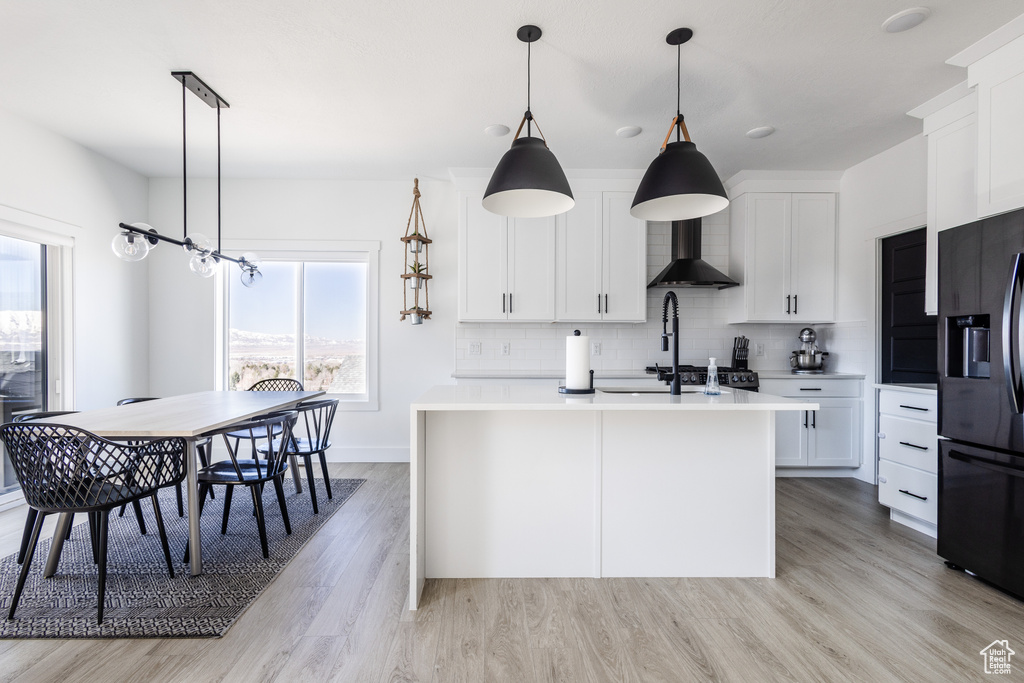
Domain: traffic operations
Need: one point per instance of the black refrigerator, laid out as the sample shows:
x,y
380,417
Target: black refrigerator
x,y
981,399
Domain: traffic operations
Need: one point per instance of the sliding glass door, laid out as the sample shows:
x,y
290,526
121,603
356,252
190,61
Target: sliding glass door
x,y
23,335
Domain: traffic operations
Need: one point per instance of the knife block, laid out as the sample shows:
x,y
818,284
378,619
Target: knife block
x,y
740,363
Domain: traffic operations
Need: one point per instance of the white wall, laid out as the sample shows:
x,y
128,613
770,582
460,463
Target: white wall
x,y
411,359
882,196
49,176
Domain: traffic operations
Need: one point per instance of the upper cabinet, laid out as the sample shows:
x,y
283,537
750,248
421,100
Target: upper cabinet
x,y
782,250
506,265
601,257
999,80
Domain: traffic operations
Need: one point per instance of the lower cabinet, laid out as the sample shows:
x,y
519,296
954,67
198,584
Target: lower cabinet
x,y
827,437
908,453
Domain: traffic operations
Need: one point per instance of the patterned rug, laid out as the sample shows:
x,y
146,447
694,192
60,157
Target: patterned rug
x,y
142,601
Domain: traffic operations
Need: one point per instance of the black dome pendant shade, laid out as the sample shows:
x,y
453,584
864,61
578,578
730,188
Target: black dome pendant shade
x,y
528,182
680,183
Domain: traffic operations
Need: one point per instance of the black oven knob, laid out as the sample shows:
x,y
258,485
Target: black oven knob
x,y
735,378
693,377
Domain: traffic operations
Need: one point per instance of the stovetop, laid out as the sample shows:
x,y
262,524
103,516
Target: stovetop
x,y
694,375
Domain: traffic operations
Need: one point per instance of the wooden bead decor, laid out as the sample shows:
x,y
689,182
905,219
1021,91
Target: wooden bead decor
x,y
416,273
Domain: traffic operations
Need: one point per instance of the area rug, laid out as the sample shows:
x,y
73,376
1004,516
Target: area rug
x,y
142,601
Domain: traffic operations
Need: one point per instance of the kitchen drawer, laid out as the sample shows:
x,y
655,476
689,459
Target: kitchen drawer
x,y
811,388
897,482
906,404
909,442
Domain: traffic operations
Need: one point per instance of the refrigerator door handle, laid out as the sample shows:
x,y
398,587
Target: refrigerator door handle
x,y
987,464
1011,366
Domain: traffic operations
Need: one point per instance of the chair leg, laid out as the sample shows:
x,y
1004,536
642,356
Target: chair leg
x,y
163,534
64,522
229,490
138,515
279,489
94,537
204,460
120,513
296,477
181,501
308,462
33,539
327,477
30,521
257,500
101,586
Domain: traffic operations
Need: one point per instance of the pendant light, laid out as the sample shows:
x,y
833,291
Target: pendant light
x,y
136,240
528,182
680,184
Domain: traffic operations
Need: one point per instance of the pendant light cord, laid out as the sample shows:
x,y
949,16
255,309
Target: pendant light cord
x,y
184,164
529,115
218,177
679,115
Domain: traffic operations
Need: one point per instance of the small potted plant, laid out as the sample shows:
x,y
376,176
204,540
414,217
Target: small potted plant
x,y
418,269
417,318
415,246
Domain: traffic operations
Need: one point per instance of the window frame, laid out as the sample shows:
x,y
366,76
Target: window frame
x,y
307,251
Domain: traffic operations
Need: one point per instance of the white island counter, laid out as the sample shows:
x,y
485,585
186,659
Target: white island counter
x,y
521,481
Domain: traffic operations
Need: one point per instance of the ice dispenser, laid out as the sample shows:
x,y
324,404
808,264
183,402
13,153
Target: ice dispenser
x,y
968,348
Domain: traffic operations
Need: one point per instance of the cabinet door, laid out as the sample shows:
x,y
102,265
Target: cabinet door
x,y
952,192
624,288
834,434
579,258
1000,79
531,269
482,262
768,255
791,438
813,268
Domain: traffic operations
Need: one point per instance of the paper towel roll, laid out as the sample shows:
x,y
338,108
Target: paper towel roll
x,y
577,362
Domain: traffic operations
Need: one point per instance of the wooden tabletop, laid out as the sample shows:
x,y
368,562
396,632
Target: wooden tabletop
x,y
189,415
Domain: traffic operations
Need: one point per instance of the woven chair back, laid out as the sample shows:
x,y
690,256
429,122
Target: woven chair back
x,y
277,384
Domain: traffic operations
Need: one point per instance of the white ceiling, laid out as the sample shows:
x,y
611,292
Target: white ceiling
x,y
391,88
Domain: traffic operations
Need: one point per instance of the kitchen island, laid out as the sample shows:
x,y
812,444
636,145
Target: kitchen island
x,y
521,481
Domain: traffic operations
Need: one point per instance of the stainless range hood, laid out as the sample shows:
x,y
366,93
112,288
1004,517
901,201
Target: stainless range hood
x,y
687,269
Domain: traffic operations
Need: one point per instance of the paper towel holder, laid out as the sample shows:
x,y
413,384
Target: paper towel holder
x,y
591,390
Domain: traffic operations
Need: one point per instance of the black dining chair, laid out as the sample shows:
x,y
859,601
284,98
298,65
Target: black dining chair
x,y
277,384
202,445
252,473
311,436
66,469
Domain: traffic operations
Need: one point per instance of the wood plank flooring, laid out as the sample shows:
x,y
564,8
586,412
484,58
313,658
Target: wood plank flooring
x,y
857,598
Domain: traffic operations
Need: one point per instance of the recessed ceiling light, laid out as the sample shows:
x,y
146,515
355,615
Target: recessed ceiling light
x,y
496,129
905,20
629,131
760,132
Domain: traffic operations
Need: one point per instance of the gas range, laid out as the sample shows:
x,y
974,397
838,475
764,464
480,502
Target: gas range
x,y
693,375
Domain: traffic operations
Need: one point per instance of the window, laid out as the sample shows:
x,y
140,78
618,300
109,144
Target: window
x,y
312,318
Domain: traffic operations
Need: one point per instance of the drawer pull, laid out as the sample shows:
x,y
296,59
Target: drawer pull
x,y
923,410
915,446
810,388
913,495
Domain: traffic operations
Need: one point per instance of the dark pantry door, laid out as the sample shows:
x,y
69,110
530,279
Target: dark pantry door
x,y
909,337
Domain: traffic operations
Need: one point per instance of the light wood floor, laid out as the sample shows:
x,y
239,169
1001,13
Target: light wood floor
x,y
856,598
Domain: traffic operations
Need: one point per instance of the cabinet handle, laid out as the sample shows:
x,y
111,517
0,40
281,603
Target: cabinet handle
x,y
787,303
911,445
605,303
913,495
795,296
923,410
503,302
599,303
814,419
510,302
810,388
805,419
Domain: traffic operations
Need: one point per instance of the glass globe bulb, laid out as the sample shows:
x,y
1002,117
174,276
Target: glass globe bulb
x,y
202,265
148,228
129,246
250,261
198,242
251,278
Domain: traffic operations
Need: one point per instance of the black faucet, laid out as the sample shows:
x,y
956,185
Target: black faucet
x,y
671,379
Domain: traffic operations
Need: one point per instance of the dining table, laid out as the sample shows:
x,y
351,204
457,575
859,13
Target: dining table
x,y
188,416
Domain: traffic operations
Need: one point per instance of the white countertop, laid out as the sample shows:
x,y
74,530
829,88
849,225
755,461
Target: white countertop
x,y
516,397
911,388
630,374
789,374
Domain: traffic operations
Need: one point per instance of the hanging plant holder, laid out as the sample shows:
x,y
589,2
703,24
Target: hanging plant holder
x,y
417,254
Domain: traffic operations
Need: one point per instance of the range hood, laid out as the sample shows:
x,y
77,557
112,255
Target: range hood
x,y
687,269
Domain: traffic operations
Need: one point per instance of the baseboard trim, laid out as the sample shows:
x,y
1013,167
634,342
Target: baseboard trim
x,y
831,472
914,523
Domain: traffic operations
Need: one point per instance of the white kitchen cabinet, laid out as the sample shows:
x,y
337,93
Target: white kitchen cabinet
x,y
827,437
601,260
908,456
506,266
999,80
782,249
952,184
